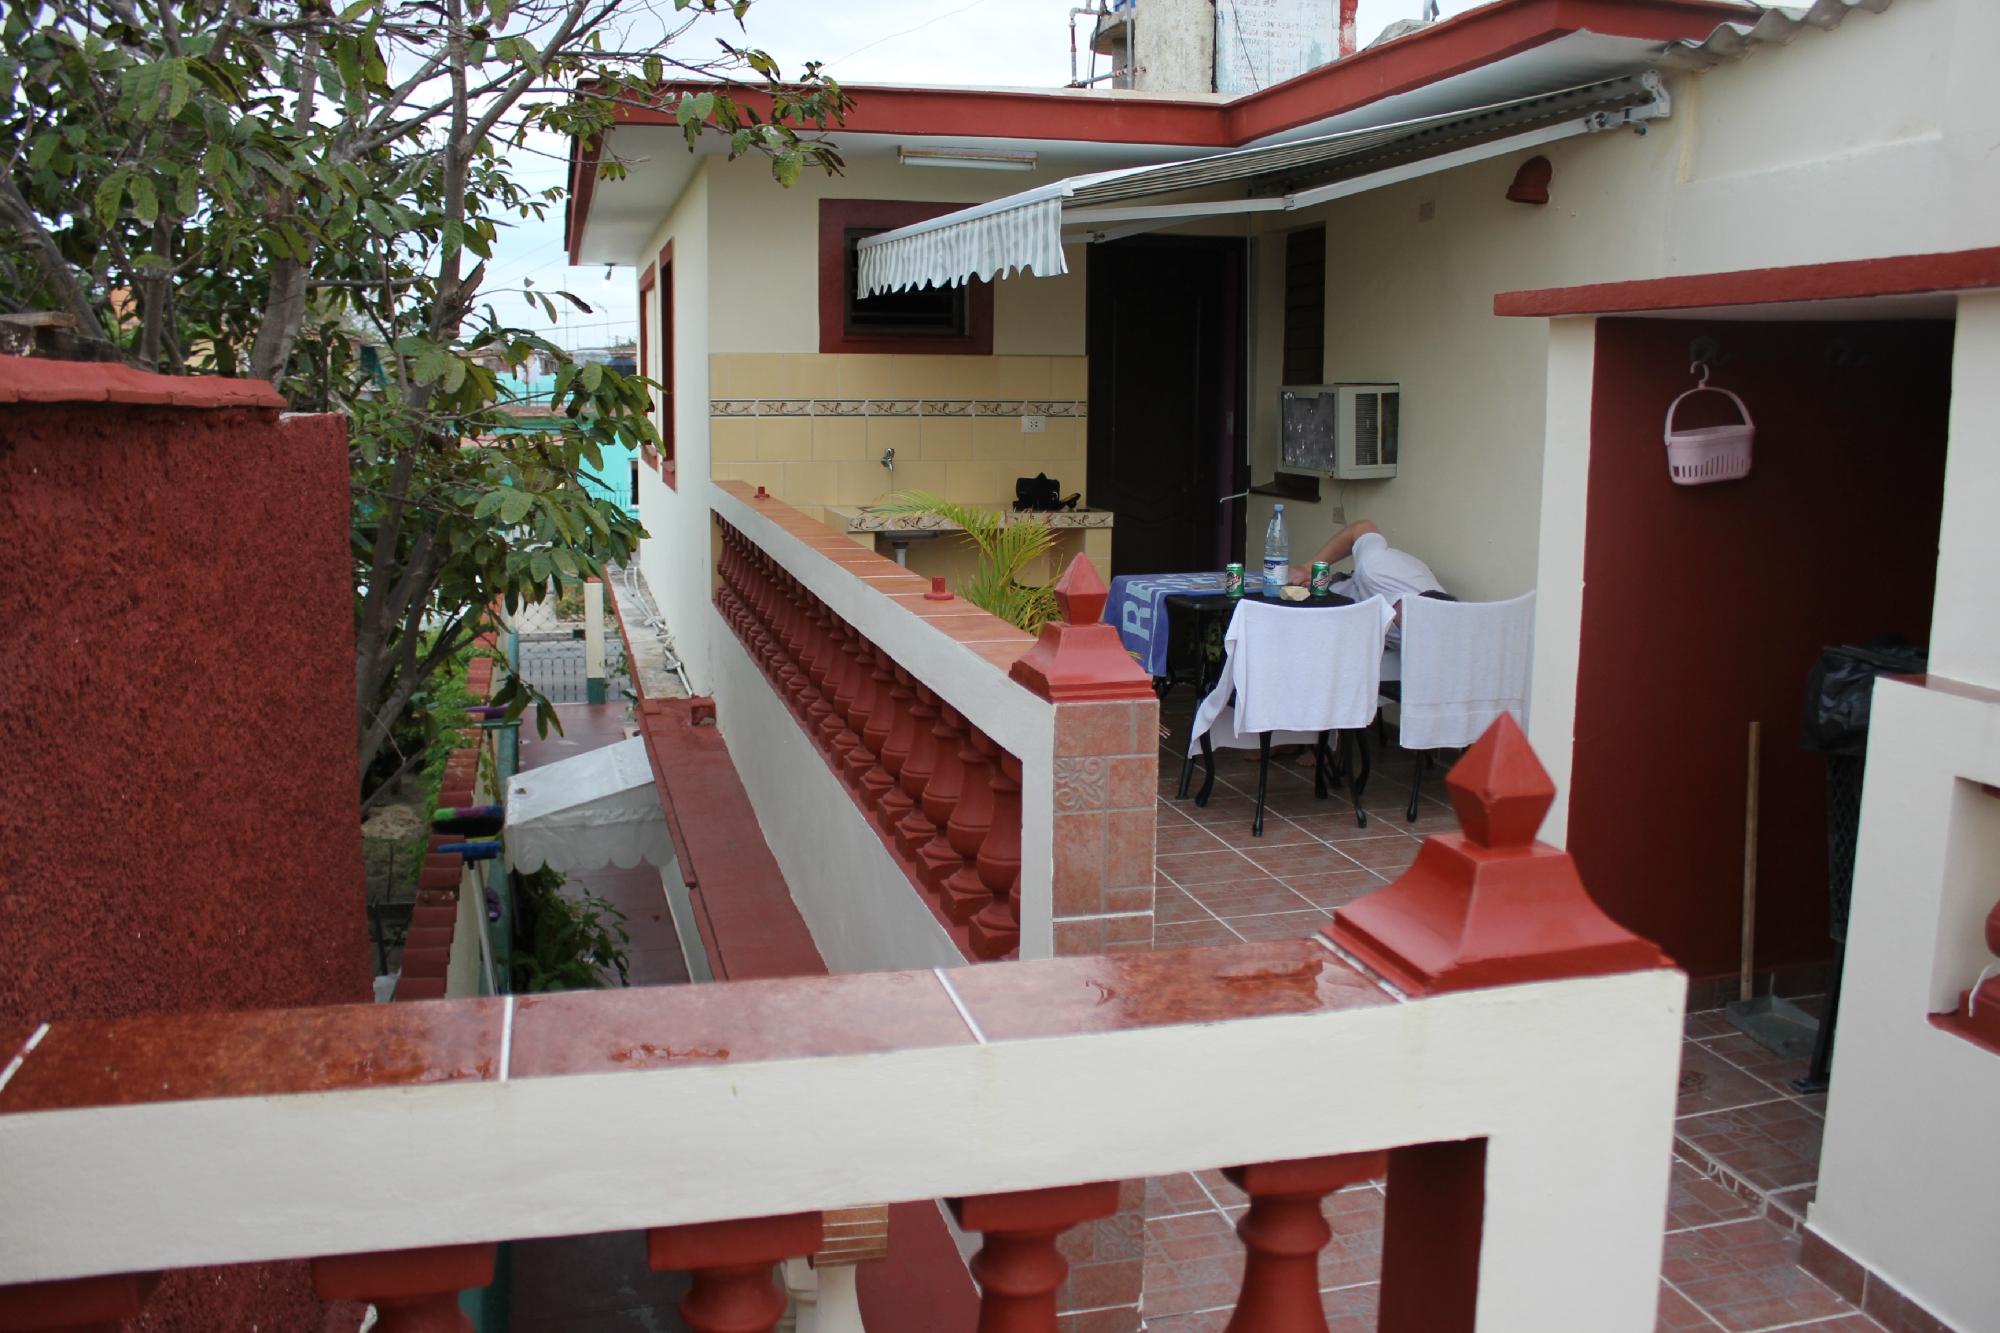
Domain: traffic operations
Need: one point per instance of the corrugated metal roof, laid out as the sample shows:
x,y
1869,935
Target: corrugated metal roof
x,y
1775,26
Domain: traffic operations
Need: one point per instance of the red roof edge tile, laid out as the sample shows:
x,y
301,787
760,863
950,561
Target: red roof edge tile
x,y
749,924
27,379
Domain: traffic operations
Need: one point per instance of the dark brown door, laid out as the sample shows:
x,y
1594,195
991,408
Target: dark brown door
x,y
1166,344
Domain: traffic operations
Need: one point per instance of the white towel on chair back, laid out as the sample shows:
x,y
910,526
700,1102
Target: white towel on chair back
x,y
1296,671
1464,664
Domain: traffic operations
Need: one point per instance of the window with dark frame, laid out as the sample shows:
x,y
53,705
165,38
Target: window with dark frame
x,y
1305,306
635,481
921,312
665,296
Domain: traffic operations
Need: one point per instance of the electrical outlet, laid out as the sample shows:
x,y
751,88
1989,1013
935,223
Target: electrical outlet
x,y
1034,425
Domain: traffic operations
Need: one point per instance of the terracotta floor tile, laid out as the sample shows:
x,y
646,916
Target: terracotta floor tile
x,y
1705,1023
1847,1323
1678,1314
1745,1276
1183,835
1222,808
1192,935
1336,825
1773,1146
1313,859
1788,1207
1246,897
1278,832
1351,1309
1753,1056
1336,889
1280,925
1185,868
1711,1083
1170,1196
1391,856
1173,906
1694,1200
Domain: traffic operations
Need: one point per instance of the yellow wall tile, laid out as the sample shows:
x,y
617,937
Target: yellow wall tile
x,y
836,438
898,433
733,375
858,375
732,439
810,483
996,439
981,483
920,476
1069,378
767,475
943,439
811,376
858,482
1022,376
1067,438
784,439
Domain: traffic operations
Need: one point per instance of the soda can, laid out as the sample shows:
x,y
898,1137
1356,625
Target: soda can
x,y
1232,579
1322,579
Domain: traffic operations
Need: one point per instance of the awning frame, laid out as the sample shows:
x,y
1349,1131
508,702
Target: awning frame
x,y
1025,232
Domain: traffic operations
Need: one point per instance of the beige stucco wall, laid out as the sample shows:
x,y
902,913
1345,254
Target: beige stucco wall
x,y
1870,140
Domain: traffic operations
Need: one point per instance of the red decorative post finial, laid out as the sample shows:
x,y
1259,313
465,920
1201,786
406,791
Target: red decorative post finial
x,y
938,592
763,494
1081,593
1500,789
1489,906
1079,658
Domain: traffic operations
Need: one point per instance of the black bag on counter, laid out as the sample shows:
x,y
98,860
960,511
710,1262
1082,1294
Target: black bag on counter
x,y
1841,685
1040,494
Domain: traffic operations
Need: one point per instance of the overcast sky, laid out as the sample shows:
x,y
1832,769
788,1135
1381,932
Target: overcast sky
x,y
1016,43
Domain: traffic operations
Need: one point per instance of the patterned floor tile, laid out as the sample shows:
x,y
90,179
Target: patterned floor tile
x,y
1773,1146
1696,1200
1745,1275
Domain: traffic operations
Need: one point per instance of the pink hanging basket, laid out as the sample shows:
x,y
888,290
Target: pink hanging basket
x,y
1702,454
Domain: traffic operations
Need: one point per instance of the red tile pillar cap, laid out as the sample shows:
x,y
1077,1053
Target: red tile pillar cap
x,y
1490,906
85,1303
1079,658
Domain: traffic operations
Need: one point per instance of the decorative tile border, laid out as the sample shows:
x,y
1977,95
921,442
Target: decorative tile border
x,y
896,407
857,519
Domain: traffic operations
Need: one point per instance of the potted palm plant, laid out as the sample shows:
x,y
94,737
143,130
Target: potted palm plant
x,y
1008,545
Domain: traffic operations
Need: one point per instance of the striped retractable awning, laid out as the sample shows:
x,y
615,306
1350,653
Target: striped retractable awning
x,y
1024,232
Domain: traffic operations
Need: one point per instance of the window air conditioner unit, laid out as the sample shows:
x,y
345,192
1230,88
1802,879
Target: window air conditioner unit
x,y
1351,431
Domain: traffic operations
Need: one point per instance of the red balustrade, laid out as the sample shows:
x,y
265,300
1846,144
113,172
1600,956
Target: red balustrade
x,y
941,798
996,929
413,1291
731,1263
75,1305
945,798
915,828
1018,1267
1283,1233
964,892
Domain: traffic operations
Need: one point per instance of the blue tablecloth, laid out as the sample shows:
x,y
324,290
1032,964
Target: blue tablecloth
x,y
1138,608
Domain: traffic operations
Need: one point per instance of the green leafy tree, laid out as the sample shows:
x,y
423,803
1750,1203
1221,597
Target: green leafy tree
x,y
309,192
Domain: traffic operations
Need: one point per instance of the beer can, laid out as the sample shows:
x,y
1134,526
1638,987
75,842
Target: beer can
x,y
1322,579
1232,579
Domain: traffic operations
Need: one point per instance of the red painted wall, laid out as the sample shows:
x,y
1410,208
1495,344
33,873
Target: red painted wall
x,y
180,810
1704,607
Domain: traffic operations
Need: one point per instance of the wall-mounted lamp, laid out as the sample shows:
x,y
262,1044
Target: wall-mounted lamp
x,y
1531,182
976,159
607,275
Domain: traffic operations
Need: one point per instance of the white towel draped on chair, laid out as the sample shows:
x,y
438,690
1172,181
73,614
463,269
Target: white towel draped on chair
x,y
1295,672
1464,664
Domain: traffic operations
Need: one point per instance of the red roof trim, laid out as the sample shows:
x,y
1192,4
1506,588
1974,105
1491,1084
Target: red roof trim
x,y
26,379
1489,33
1900,275
582,185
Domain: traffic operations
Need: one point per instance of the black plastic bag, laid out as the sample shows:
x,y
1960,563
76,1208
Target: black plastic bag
x,y
1841,685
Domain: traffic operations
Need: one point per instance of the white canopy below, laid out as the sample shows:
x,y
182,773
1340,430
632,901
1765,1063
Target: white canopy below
x,y
597,809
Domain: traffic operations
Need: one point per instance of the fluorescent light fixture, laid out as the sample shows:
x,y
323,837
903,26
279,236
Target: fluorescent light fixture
x,y
976,159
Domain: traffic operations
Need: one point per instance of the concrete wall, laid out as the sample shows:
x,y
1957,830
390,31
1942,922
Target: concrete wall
x,y
180,807
1175,46
1855,143
1908,1177
675,556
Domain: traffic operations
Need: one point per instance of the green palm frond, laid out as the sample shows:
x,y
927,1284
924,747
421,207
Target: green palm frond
x,y
1007,550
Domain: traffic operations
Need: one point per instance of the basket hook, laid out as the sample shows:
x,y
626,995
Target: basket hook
x,y
1699,370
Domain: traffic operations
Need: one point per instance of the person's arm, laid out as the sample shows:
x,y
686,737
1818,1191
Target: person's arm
x,y
1337,548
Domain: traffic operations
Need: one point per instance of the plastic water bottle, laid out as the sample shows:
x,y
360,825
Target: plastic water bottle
x,y
1277,552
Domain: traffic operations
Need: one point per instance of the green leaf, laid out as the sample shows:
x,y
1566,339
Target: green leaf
x,y
104,205
515,506
145,199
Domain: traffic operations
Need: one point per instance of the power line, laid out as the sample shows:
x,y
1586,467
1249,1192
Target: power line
x,y
950,13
